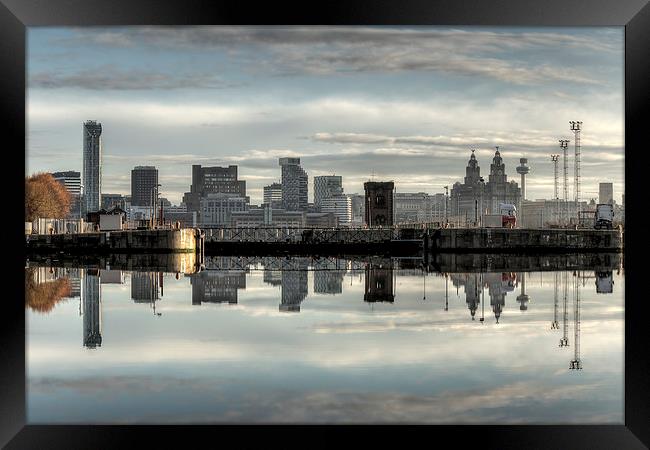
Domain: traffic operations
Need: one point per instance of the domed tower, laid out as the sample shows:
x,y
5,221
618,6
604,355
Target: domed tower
x,y
497,169
472,171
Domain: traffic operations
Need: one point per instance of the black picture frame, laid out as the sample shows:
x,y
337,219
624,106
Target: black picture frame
x,y
634,15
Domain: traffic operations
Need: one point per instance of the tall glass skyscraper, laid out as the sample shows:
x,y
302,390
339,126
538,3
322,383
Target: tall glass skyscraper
x,y
294,185
92,165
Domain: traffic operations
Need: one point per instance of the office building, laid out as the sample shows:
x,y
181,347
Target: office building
x,y
341,206
212,180
412,207
71,180
92,165
606,193
110,201
216,208
273,195
294,185
358,206
144,185
326,187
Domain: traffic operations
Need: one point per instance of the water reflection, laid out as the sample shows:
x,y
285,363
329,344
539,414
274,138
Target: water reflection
x,y
47,286
91,298
236,316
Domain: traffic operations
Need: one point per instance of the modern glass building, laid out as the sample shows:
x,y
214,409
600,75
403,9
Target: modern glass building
x,y
325,187
294,185
72,182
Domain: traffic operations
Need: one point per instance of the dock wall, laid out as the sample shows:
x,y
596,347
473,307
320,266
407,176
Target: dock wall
x,y
132,241
529,240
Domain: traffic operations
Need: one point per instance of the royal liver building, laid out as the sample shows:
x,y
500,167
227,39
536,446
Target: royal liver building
x,y
477,195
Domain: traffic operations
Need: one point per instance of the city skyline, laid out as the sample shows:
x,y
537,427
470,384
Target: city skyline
x,y
410,113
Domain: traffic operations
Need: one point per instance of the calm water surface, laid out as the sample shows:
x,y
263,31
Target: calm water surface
x,y
298,341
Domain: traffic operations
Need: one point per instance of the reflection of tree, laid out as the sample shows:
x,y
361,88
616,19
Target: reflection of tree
x,y
42,297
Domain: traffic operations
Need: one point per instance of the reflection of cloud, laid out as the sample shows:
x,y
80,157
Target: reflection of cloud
x,y
531,401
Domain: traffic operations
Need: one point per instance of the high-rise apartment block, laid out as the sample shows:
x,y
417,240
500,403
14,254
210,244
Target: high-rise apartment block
x,y
92,165
294,185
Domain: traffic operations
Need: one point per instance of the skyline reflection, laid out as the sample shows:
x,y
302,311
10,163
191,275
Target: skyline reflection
x,y
346,313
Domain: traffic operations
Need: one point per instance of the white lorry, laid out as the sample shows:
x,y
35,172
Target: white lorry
x,y
604,216
506,219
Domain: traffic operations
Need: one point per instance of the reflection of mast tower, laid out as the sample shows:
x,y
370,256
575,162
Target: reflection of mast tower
x,y
554,324
379,284
92,310
576,363
564,342
523,299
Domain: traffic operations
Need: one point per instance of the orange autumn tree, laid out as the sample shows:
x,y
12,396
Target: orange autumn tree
x,y
45,197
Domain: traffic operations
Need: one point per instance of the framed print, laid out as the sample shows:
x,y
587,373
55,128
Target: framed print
x,y
368,218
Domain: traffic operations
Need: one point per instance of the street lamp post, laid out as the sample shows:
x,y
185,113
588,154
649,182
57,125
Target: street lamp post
x,y
154,200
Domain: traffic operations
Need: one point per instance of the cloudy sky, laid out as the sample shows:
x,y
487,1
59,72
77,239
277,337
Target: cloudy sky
x,y
400,103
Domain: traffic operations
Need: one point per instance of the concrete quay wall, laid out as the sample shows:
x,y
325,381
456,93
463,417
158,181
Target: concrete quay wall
x,y
540,240
153,241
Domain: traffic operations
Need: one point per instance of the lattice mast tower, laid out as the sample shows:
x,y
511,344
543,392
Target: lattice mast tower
x,y
563,145
554,158
576,127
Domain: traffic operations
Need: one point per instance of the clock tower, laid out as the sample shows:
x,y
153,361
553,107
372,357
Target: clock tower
x,y
497,169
